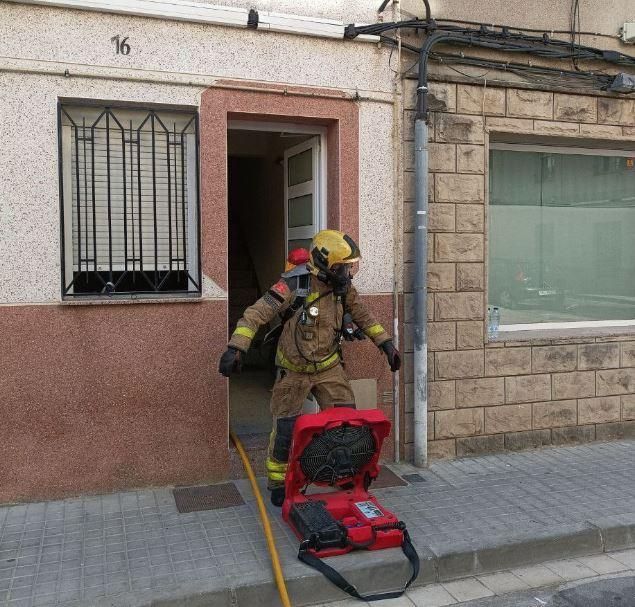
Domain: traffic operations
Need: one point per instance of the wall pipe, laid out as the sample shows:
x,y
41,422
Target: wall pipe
x,y
420,287
420,290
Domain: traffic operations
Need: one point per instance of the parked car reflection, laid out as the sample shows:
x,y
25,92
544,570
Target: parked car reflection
x,y
516,284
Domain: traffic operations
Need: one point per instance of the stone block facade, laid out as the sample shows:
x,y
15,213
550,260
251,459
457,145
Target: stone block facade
x,y
485,397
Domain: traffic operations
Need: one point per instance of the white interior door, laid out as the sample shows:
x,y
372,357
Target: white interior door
x,y
302,204
302,193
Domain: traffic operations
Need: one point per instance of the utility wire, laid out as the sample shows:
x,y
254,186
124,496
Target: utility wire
x,y
502,40
528,29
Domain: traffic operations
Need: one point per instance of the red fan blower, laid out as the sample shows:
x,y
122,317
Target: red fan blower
x,y
338,449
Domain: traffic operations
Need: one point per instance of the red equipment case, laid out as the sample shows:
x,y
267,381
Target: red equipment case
x,y
339,449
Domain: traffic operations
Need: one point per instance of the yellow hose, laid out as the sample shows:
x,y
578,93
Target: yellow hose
x,y
271,544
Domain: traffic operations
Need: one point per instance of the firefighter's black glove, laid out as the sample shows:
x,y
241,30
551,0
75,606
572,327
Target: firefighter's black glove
x,y
230,362
394,358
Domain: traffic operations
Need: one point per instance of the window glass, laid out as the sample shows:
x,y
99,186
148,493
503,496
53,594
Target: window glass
x,y
301,167
301,211
561,245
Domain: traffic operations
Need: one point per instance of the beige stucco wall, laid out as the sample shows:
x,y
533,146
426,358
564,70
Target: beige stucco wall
x,y
165,51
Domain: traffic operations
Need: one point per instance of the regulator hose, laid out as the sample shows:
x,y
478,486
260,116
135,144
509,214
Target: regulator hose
x,y
271,544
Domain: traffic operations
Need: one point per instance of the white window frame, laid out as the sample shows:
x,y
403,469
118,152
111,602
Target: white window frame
x,y
569,151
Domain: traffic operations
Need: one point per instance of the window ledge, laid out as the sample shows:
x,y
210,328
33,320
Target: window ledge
x,y
558,334
131,299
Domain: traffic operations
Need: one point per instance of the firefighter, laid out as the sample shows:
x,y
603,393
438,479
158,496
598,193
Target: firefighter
x,y
319,306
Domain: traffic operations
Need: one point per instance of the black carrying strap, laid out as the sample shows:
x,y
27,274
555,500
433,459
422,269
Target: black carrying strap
x,y
308,558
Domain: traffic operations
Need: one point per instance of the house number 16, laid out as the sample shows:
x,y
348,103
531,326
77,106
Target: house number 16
x,y
123,48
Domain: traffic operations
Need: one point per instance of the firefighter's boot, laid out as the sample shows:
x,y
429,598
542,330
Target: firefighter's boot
x,y
278,458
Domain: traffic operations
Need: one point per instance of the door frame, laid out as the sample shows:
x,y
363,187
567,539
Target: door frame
x,y
300,129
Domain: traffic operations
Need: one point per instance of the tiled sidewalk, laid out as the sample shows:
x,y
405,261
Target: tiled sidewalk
x,y
130,548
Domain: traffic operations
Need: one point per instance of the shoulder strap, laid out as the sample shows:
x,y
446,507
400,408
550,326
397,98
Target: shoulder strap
x,y
308,558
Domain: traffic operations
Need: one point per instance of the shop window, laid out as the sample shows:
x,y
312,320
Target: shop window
x,y
561,246
129,201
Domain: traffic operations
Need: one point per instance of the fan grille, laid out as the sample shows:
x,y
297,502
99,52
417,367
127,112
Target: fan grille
x,y
337,453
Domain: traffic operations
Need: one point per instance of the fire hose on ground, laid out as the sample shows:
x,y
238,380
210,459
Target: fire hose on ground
x,y
271,544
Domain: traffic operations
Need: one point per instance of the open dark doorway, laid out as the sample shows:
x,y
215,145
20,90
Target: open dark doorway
x,y
275,196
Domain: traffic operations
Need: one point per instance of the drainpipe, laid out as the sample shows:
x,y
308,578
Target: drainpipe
x,y
421,254
420,287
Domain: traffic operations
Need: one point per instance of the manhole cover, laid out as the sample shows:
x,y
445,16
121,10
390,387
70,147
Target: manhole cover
x,y
387,478
209,497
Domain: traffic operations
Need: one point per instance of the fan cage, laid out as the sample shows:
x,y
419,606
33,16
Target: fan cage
x,y
338,453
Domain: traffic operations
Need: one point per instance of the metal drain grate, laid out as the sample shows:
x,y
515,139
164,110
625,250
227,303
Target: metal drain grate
x,y
414,478
208,497
387,478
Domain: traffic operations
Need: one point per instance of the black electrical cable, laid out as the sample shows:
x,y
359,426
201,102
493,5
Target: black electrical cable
x,y
477,40
405,45
428,11
553,76
543,46
503,40
528,29
575,23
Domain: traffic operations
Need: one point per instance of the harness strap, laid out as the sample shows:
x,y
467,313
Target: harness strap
x,y
308,558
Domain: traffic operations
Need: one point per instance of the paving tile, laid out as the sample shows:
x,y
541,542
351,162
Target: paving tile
x,y
467,589
570,569
20,593
402,601
627,557
434,595
503,582
602,563
537,576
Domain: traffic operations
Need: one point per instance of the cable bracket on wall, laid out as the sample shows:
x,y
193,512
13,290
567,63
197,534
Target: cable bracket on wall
x,y
253,19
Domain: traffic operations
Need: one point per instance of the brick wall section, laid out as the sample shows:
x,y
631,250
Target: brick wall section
x,y
512,395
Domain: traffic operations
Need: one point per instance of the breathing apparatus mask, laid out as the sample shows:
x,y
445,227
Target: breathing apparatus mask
x,y
339,277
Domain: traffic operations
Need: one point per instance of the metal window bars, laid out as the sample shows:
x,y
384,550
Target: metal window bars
x,y
130,212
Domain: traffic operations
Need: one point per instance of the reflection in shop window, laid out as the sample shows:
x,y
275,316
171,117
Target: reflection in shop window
x,y
561,234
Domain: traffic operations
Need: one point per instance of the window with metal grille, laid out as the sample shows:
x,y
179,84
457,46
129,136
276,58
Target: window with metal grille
x,y
129,201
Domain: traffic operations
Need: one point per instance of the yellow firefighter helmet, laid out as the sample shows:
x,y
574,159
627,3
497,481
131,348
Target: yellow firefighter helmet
x,y
330,247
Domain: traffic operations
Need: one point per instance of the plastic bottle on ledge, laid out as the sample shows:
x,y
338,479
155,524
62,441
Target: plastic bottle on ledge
x,y
493,322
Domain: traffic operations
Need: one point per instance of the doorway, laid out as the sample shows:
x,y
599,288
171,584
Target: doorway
x,y
276,202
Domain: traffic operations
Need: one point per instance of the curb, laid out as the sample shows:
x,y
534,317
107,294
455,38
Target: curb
x,y
382,570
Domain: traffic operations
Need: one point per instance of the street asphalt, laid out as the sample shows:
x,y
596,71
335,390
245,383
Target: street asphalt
x,y
606,592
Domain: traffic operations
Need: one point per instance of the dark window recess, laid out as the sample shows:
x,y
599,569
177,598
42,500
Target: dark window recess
x,y
129,201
